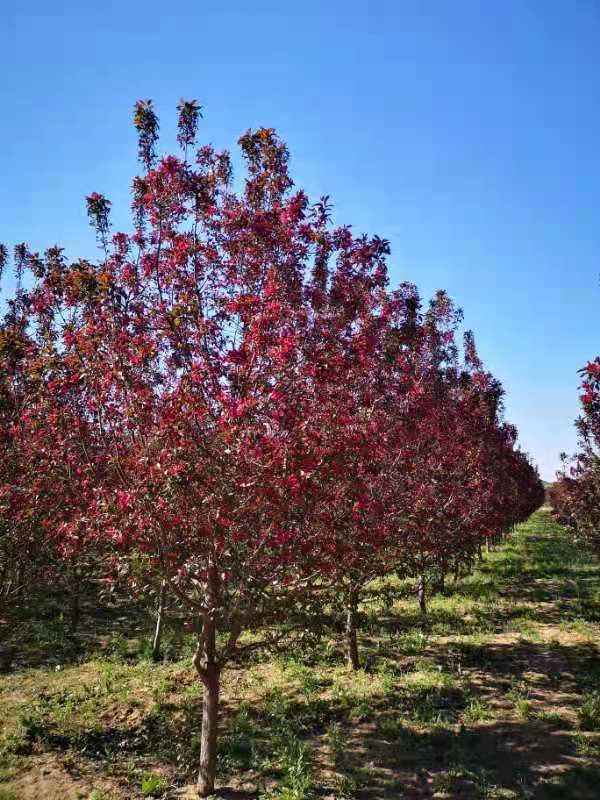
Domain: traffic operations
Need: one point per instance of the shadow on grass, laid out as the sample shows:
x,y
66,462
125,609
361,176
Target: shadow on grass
x,y
537,576
454,719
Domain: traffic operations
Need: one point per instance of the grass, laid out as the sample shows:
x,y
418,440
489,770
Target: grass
x,y
588,713
494,694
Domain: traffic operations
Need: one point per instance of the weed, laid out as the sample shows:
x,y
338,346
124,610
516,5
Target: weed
x,y
412,642
523,709
238,747
476,711
586,745
588,713
519,690
553,719
348,786
337,743
297,782
153,785
391,728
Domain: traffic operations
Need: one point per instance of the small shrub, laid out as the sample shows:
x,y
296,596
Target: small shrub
x,y
118,649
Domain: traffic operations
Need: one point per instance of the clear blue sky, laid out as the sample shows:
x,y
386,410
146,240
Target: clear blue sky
x,y
467,133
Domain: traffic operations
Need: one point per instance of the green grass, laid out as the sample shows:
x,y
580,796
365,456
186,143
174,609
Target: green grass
x,y
589,712
474,700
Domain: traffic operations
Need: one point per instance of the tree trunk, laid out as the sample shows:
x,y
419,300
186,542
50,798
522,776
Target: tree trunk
x,y
4,583
75,604
442,583
479,552
208,739
351,642
421,595
75,610
209,670
156,642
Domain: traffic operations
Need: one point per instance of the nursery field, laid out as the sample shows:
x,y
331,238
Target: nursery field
x,y
494,694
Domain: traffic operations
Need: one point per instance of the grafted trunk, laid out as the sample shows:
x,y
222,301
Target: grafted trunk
x,y
422,595
209,669
352,658
160,618
208,738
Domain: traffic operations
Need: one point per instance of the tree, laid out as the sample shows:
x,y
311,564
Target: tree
x,y
576,494
47,445
420,478
173,377
21,538
352,420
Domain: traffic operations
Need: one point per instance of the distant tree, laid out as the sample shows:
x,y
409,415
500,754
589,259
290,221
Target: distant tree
x,y
21,537
46,443
426,469
575,496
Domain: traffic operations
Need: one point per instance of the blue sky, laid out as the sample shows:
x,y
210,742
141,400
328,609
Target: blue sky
x,y
467,133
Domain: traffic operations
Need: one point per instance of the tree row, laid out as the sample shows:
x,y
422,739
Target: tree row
x,y
233,407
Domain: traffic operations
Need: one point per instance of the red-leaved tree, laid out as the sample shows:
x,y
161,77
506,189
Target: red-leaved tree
x,y
175,385
575,496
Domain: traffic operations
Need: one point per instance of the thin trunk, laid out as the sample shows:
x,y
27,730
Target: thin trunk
x,y
479,552
4,582
18,584
209,670
442,583
421,594
208,738
75,604
351,641
160,618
